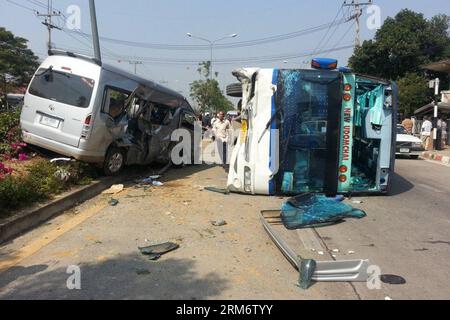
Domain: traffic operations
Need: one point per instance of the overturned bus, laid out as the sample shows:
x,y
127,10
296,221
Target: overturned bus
x,y
92,112
314,131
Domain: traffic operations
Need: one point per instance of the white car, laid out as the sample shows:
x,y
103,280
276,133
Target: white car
x,y
407,144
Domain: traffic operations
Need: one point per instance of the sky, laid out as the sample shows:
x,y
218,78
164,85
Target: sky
x,y
168,22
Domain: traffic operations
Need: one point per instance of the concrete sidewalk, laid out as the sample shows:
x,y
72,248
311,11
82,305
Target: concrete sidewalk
x,y
442,156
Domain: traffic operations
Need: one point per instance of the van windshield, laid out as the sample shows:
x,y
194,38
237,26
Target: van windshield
x,y
62,87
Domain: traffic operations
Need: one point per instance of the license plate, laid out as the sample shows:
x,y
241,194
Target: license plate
x,y
404,150
50,122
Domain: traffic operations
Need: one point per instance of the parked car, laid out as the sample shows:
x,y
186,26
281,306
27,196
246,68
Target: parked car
x,y
407,144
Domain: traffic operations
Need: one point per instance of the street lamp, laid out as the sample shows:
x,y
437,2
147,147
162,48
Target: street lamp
x,y
211,44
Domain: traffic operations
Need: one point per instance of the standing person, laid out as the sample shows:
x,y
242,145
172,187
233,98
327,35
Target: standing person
x,y
427,128
408,124
221,129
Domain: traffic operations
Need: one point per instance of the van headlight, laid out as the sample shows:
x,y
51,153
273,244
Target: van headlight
x,y
418,144
247,179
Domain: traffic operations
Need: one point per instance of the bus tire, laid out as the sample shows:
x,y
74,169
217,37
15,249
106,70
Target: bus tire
x,y
114,161
235,90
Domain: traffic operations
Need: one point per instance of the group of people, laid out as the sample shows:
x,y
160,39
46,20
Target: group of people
x,y
426,131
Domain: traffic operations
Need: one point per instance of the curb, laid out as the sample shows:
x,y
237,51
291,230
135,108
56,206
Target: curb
x,y
30,218
436,157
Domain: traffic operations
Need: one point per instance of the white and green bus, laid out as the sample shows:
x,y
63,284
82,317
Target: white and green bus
x,y
324,130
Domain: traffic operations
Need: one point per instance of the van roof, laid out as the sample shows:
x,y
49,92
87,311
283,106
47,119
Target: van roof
x,y
148,83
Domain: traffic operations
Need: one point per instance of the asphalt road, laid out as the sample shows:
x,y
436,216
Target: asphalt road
x,y
405,235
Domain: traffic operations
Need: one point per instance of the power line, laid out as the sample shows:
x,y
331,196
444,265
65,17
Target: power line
x,y
21,6
240,44
270,58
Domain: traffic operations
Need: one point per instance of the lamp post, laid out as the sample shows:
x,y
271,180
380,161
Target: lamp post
x,y
211,45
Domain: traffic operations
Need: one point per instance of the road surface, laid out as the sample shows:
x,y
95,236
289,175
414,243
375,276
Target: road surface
x,y
406,235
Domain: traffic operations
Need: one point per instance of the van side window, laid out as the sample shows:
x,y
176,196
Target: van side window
x,y
161,115
188,121
114,102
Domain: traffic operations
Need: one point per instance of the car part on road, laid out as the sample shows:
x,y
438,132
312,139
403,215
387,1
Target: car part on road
x,y
219,223
218,190
392,279
113,202
115,189
157,251
309,210
332,271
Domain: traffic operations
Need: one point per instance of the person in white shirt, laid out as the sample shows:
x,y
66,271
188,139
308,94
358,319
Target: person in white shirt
x,y
221,129
427,128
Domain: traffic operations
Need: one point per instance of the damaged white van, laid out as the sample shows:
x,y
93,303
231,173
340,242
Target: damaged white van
x,y
92,112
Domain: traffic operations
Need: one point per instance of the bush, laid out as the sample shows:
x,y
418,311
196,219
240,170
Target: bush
x,y
42,181
10,133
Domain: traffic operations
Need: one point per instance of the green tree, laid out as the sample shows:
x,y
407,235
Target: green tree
x,y
402,45
206,92
16,59
413,93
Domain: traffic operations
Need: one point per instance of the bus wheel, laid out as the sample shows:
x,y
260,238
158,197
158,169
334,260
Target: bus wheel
x,y
114,162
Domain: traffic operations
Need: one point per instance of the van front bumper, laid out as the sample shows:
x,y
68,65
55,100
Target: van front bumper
x,y
63,149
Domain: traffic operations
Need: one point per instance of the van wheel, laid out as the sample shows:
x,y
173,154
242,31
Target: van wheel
x,y
114,162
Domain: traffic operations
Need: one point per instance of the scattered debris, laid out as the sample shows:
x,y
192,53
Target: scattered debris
x,y
351,252
357,202
115,189
149,181
157,184
321,253
61,160
219,223
113,202
392,279
311,210
336,250
157,251
143,272
388,299
218,190
421,250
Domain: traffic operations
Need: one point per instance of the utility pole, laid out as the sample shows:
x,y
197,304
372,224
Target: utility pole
x,y
136,63
48,21
357,9
95,37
